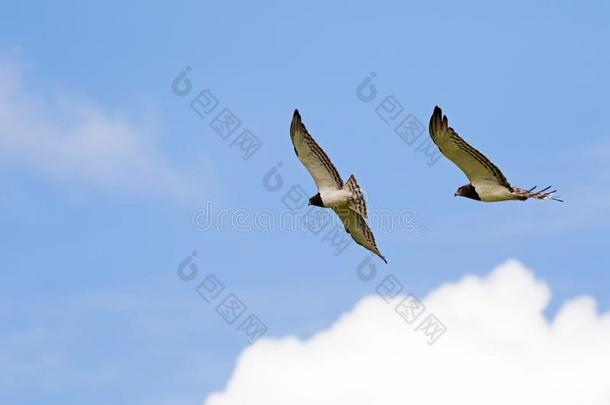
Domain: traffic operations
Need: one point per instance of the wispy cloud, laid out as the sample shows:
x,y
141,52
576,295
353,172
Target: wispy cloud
x,y
79,141
102,341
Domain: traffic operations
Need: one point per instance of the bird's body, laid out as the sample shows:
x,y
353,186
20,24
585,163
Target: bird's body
x,y
345,199
487,183
335,198
490,192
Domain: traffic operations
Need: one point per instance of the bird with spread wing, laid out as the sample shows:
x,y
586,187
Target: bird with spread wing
x,y
346,200
487,183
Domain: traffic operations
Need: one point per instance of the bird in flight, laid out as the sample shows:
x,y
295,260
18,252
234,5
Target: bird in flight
x,y
346,200
487,183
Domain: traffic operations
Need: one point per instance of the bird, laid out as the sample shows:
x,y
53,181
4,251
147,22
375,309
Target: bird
x,y
487,183
346,200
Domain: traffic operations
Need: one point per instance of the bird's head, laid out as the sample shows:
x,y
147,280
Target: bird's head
x,y
467,191
316,200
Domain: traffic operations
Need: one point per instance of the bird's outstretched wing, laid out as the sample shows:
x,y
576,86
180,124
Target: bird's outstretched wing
x,y
473,163
356,226
315,160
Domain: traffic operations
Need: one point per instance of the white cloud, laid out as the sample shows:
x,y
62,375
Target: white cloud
x,y
498,349
73,140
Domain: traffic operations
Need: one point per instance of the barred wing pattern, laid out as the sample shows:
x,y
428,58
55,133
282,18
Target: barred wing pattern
x,y
473,163
356,226
315,160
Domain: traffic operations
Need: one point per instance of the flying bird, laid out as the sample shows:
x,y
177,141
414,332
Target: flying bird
x,y
346,200
487,183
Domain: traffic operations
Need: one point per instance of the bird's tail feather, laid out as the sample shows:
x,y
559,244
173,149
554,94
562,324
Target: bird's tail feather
x,y
357,202
540,194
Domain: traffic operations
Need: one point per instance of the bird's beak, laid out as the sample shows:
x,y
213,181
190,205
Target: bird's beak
x,y
308,204
455,194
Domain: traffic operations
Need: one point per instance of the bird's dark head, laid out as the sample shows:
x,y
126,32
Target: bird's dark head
x,y
467,191
316,200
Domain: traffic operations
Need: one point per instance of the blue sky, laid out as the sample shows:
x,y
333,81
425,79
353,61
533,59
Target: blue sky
x,y
93,228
